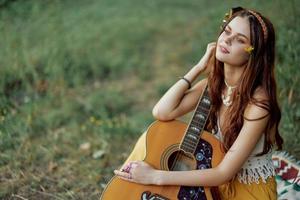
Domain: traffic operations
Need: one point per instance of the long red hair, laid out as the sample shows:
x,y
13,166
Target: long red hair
x,y
259,72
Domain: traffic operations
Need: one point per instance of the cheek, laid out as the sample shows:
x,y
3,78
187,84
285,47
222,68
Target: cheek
x,y
241,56
220,38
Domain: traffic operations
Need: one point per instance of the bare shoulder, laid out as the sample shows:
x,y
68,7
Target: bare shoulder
x,y
260,94
259,107
255,122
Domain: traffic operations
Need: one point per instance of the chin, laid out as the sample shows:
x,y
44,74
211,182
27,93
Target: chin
x,y
228,59
221,57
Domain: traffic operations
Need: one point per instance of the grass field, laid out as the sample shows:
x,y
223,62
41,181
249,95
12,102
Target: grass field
x,y
79,80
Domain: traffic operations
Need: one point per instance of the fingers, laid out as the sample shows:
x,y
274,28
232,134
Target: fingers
x,y
125,176
212,44
122,174
126,168
125,171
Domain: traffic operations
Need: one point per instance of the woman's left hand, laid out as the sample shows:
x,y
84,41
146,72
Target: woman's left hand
x,y
137,172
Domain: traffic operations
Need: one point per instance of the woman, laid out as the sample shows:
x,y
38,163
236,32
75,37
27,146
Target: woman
x,y
244,114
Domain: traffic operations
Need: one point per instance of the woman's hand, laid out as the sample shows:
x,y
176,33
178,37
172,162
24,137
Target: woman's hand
x,y
205,64
138,172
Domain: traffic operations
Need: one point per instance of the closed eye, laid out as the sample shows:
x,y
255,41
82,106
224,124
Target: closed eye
x,y
241,41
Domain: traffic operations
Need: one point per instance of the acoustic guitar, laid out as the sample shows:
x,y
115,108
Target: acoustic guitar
x,y
174,146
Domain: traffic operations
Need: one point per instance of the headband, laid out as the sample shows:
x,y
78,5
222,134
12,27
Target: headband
x,y
257,16
262,24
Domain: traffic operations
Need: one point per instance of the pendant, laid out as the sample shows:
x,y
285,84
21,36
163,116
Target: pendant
x,y
226,100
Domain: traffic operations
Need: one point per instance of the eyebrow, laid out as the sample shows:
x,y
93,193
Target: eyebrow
x,y
238,33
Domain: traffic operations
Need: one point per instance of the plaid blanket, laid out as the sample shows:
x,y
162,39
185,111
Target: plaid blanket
x,y
287,176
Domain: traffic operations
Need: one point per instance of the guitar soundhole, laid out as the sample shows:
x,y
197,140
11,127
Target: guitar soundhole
x,y
179,161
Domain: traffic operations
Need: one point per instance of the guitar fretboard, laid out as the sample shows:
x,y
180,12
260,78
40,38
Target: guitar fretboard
x,y
197,123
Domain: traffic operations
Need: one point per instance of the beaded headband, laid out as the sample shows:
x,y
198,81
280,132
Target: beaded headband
x,y
257,16
262,23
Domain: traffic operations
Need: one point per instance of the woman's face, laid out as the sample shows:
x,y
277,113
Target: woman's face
x,y
233,41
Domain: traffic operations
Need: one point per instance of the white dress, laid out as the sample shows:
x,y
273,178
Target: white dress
x,y
255,167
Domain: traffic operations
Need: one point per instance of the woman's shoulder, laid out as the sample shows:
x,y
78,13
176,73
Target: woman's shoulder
x,y
260,94
258,106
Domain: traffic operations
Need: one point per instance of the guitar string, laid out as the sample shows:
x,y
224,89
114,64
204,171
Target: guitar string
x,y
206,113
177,156
185,145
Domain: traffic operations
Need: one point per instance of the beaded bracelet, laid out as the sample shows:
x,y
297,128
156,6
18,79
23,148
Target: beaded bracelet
x,y
190,85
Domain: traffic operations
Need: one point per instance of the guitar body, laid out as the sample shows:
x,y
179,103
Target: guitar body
x,y
162,151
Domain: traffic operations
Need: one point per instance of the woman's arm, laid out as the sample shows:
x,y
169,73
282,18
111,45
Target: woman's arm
x,y
234,159
241,149
178,101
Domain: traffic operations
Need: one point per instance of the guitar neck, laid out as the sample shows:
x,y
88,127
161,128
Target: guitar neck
x,y
197,123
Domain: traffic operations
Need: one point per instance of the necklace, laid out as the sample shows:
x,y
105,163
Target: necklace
x,y
227,99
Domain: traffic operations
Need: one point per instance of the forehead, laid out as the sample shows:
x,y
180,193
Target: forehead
x,y
240,25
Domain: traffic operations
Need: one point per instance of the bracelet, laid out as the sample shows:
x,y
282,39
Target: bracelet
x,y
190,85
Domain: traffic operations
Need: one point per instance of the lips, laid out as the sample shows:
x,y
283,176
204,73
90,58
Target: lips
x,y
223,49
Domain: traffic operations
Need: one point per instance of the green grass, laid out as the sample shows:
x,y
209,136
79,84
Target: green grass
x,y
79,78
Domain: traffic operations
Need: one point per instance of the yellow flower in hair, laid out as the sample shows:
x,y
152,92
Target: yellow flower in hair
x,y
226,17
249,49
